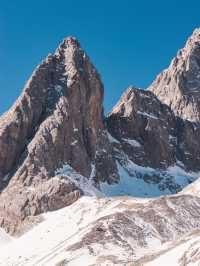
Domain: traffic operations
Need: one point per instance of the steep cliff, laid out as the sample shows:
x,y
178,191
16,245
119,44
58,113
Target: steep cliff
x,y
57,121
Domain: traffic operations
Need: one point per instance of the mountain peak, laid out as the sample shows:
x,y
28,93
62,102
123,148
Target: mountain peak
x,y
72,41
192,43
196,34
179,85
68,47
57,121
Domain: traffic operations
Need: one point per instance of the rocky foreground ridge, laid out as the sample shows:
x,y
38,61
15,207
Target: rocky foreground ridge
x,y
123,231
56,145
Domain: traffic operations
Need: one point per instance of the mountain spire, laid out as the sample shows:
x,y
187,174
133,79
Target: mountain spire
x,y
57,122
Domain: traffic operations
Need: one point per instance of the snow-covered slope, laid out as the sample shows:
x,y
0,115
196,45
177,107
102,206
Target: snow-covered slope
x,y
104,231
140,181
46,243
185,252
193,189
4,238
86,185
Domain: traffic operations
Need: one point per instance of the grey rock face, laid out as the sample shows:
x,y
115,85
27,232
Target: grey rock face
x,y
179,85
57,120
161,138
140,116
146,134
57,111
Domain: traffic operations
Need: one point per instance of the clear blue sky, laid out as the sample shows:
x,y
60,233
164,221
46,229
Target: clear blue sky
x,y
130,42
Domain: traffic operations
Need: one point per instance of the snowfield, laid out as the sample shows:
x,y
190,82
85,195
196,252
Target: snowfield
x,y
46,243
104,227
82,182
107,228
186,252
132,180
4,238
104,231
131,185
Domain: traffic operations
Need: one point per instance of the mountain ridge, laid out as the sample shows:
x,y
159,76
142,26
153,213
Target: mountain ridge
x,y
60,156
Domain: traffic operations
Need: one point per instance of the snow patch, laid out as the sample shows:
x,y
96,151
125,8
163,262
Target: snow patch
x,y
112,139
148,115
174,255
85,184
93,171
4,238
181,176
58,88
133,142
74,142
140,181
131,185
6,177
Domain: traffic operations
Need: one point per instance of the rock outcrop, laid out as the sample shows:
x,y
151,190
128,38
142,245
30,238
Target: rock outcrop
x,y
179,85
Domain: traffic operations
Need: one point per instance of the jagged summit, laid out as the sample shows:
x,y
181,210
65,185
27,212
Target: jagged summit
x,y
72,41
179,85
195,37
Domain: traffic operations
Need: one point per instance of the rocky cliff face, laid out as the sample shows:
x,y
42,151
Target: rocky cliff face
x,y
157,132
140,118
179,85
152,143
57,121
